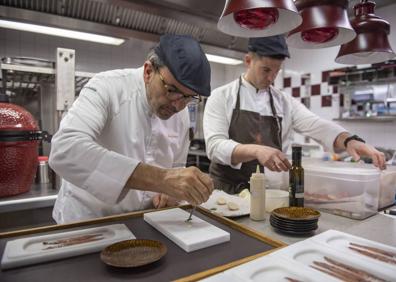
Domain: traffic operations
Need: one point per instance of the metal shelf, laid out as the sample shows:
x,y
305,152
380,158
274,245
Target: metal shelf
x,y
368,119
39,196
19,77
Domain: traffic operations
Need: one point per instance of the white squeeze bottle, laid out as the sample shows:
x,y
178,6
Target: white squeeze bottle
x,y
257,198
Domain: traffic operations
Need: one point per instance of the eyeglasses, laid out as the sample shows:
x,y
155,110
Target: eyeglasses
x,y
174,94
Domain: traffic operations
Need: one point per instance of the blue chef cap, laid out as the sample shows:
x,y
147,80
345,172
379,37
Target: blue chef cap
x,y
269,46
186,61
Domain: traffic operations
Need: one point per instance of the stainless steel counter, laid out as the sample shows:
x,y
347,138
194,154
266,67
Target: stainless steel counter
x,y
39,196
379,228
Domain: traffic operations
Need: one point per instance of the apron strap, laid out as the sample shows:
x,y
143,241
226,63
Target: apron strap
x,y
278,123
238,103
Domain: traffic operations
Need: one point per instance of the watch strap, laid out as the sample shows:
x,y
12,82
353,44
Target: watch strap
x,y
353,137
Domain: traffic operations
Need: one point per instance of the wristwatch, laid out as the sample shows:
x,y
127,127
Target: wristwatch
x,y
353,137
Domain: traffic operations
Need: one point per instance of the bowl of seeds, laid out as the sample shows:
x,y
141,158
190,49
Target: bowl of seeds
x,y
296,213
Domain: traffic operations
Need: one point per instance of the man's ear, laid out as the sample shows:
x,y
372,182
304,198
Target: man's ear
x,y
248,59
148,71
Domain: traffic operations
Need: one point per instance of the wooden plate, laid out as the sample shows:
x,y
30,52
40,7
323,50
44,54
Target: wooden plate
x,y
133,253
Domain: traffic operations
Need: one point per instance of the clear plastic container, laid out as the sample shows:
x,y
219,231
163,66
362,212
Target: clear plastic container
x,y
346,189
387,187
276,199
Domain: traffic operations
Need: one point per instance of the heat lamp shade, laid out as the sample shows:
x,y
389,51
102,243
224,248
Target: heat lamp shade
x,y
371,44
324,25
287,17
366,48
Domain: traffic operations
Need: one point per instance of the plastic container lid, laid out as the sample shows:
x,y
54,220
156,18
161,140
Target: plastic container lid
x,y
42,158
341,168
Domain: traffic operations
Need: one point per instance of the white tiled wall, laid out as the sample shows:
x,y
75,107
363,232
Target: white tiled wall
x,y
316,61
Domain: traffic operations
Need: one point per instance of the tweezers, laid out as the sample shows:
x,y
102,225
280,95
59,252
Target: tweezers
x,y
191,213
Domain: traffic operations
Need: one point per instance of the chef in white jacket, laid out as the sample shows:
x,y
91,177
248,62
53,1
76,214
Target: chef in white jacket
x,y
249,122
123,142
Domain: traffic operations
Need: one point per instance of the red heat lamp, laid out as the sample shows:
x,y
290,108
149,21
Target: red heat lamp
x,y
371,44
325,24
319,35
258,18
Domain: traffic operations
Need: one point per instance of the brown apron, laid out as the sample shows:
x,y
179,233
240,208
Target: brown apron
x,y
247,127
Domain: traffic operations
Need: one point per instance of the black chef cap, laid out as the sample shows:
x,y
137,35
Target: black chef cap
x,y
269,46
186,61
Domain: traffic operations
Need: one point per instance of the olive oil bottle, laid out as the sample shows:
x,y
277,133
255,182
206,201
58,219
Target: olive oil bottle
x,y
296,179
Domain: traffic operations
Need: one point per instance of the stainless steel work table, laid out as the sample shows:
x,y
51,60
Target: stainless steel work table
x,y
378,228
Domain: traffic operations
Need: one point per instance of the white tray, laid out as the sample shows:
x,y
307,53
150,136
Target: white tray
x,y
273,268
243,203
223,277
36,249
304,253
340,241
190,236
295,261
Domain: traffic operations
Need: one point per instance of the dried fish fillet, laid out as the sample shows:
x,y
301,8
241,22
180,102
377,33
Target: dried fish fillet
x,y
374,255
375,250
72,241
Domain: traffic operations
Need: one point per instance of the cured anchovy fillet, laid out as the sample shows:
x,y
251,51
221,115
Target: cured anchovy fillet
x,y
292,279
375,250
334,274
373,255
72,241
344,272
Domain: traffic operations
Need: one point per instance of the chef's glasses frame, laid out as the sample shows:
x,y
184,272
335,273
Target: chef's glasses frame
x,y
174,94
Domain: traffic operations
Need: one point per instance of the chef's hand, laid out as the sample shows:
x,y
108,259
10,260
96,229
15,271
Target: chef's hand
x,y
189,184
273,159
356,149
162,201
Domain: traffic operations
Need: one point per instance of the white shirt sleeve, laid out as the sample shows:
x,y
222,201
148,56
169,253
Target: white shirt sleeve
x,y
307,123
79,159
216,123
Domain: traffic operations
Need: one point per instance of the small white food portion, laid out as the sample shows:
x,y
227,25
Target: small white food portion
x,y
221,201
233,206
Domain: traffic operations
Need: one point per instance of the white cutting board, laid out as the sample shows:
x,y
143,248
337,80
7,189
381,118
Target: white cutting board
x,y
190,236
36,249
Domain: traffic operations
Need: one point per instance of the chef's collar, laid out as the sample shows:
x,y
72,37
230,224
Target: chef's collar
x,y
250,86
142,91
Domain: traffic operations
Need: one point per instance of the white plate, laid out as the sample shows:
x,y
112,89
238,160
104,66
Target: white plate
x,y
308,251
44,248
243,203
190,236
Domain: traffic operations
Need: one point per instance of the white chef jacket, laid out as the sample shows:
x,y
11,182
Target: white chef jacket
x,y
107,132
295,116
